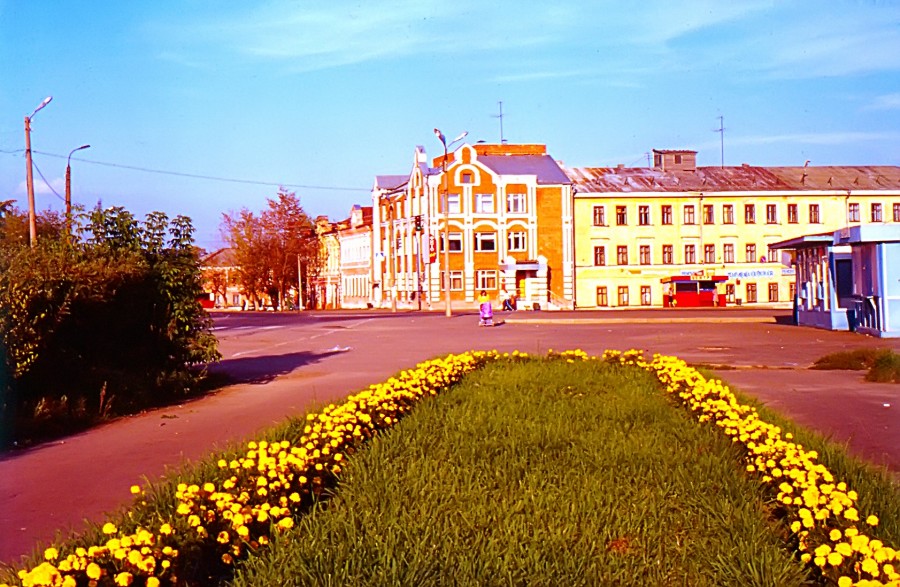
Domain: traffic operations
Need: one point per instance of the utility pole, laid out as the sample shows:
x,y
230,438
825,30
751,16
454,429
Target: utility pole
x,y
69,188
448,304
29,177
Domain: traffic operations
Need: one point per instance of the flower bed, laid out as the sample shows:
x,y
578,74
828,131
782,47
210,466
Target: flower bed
x,y
822,513
233,513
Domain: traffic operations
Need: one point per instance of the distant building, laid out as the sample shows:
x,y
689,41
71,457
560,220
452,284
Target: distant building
x,y
507,213
638,228
355,243
219,273
324,278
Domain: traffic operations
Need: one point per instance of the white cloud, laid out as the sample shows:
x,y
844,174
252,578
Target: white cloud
x,y
42,189
885,102
827,138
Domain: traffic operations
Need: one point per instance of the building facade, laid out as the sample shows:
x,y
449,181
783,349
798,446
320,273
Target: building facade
x,y
637,228
503,214
354,237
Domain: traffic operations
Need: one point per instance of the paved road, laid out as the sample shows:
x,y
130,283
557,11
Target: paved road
x,y
287,364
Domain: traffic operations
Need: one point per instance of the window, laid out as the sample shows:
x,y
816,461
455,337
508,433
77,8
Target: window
x,y
456,280
467,177
749,214
485,241
644,215
814,214
690,254
771,214
621,216
773,292
623,295
876,213
792,290
599,256
853,212
751,292
727,214
486,279
729,293
689,215
602,299
515,203
709,214
668,255
666,214
792,214
709,253
772,255
896,212
645,295
516,241
455,239
645,254
453,203
599,215
750,254
728,253
622,255
484,203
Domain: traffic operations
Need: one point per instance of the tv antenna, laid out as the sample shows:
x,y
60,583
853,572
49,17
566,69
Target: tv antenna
x,y
721,131
500,116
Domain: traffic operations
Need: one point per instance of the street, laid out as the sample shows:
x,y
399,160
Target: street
x,y
287,364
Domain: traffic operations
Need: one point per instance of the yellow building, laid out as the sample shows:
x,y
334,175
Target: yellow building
x,y
636,227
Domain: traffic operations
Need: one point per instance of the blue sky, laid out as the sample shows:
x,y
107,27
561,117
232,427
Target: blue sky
x,y
326,95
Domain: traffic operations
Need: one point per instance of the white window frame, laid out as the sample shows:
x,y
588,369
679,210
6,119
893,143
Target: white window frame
x,y
482,239
486,279
453,204
454,237
516,202
484,203
456,280
517,241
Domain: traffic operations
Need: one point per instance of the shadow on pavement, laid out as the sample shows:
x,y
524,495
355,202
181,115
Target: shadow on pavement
x,y
260,370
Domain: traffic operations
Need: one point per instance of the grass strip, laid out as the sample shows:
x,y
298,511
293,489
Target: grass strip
x,y
539,473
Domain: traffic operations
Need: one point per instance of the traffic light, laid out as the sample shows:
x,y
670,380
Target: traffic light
x,y
419,223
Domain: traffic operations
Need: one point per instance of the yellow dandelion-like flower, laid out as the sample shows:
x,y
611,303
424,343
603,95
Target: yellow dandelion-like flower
x,y
835,559
94,571
152,582
109,528
872,520
51,554
124,579
135,489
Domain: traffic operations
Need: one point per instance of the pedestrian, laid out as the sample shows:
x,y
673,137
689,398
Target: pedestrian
x,y
505,300
485,311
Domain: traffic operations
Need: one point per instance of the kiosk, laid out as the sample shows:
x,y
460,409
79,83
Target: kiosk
x,y
689,291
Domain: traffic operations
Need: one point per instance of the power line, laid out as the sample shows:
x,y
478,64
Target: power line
x,y
47,183
196,175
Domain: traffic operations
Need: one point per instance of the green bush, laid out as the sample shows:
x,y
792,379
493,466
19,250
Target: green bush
x,y
885,369
855,360
106,321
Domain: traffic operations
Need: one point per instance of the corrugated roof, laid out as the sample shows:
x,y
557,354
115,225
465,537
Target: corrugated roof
x,y
543,167
728,179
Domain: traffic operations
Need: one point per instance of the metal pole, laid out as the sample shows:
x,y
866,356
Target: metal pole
x,y
299,284
447,304
392,254
69,188
29,180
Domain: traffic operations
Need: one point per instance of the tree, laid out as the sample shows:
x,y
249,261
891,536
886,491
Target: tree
x,y
269,247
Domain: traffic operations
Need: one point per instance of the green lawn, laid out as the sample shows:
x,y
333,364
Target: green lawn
x,y
540,473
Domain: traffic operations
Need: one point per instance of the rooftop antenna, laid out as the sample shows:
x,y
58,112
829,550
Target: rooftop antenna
x,y
647,155
721,131
500,116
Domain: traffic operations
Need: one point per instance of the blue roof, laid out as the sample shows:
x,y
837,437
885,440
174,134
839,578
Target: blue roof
x,y
543,167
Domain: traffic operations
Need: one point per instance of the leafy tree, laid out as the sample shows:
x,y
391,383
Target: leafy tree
x,y
268,247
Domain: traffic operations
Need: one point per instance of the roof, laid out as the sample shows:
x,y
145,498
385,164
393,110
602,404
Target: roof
x,y
543,167
806,241
223,257
735,178
390,182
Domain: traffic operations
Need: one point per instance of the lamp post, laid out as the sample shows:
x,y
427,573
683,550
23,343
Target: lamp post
x,y
440,136
29,178
69,187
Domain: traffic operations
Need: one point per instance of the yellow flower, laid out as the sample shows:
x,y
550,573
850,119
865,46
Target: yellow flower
x,y
109,528
94,571
872,520
124,579
135,489
152,582
51,554
845,582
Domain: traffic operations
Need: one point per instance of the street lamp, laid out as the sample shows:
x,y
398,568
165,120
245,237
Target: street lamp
x,y
444,142
29,178
69,188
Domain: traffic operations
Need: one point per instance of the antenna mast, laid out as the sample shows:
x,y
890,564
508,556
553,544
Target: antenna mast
x,y
500,116
721,131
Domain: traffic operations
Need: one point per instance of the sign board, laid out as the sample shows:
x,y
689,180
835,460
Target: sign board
x,y
432,249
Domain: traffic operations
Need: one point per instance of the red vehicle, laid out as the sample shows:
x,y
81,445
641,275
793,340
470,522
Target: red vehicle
x,y
688,291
